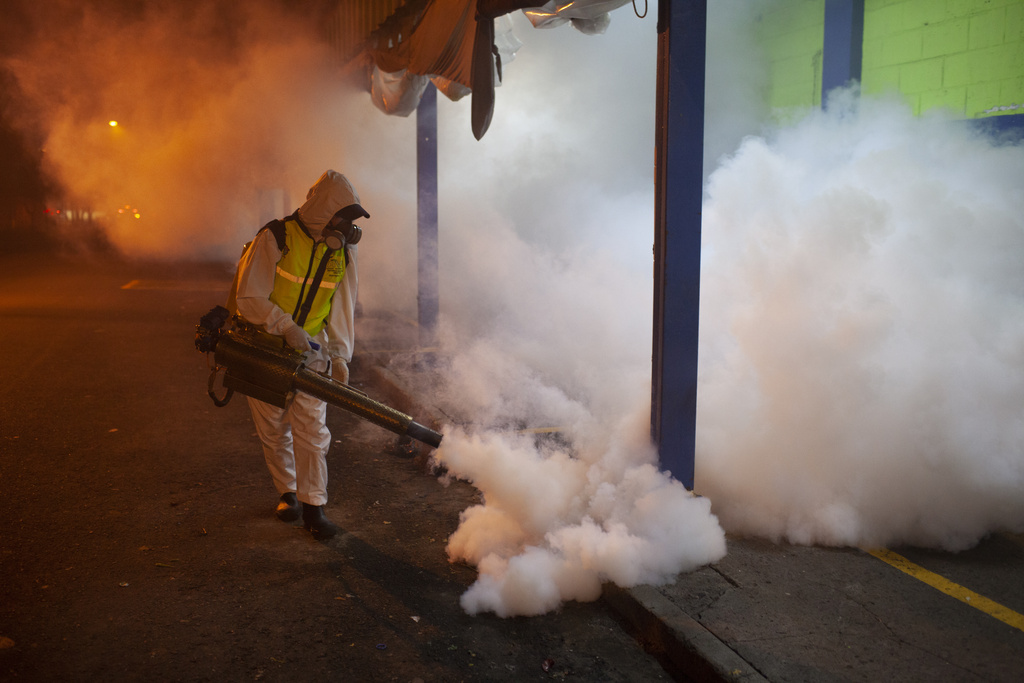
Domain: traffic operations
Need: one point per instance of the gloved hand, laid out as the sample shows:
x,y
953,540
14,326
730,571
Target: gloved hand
x,y
297,338
339,370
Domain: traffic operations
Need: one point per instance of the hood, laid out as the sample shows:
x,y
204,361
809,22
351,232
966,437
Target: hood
x,y
331,193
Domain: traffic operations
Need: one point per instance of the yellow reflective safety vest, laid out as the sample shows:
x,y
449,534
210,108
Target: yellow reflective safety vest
x,y
296,272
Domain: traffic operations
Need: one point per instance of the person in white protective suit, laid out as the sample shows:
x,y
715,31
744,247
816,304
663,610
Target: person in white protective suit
x,y
275,292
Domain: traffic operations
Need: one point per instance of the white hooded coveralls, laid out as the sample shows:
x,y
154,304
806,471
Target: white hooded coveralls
x,y
296,439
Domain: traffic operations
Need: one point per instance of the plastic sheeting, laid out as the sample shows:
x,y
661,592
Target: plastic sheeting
x,y
587,16
398,93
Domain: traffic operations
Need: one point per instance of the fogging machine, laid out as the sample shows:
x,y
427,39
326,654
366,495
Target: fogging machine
x,y
260,365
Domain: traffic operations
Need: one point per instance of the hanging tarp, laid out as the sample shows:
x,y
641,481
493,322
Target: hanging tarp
x,y
407,57
462,46
440,43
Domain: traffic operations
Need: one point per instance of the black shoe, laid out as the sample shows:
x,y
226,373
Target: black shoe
x,y
313,519
288,508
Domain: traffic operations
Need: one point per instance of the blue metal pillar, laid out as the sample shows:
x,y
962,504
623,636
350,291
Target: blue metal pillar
x,y
428,299
843,50
678,195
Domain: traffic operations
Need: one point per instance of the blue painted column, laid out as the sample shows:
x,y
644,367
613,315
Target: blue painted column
x,y
843,51
678,194
428,299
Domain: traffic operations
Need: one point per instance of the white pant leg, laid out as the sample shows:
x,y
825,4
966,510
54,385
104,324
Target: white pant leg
x,y
296,439
275,433
308,417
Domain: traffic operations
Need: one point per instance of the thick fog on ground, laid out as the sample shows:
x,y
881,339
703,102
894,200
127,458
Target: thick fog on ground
x,y
862,369
862,329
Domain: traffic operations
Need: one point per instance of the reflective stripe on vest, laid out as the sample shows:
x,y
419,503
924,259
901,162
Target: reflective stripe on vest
x,y
295,272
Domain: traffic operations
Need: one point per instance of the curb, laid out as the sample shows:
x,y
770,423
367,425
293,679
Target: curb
x,y
687,650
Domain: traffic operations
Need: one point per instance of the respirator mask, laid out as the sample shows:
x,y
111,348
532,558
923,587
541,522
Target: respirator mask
x,y
341,232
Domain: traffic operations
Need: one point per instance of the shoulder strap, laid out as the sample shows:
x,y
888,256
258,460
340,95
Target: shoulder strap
x,y
304,306
276,227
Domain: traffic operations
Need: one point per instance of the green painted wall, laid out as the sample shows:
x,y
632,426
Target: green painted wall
x,y
792,32
964,55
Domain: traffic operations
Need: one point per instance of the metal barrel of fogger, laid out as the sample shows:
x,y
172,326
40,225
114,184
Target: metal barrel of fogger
x,y
347,398
258,365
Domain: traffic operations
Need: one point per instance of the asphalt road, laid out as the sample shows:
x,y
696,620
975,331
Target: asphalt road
x,y
138,540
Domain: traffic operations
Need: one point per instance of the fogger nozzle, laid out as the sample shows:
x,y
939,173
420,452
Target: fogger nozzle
x,y
259,365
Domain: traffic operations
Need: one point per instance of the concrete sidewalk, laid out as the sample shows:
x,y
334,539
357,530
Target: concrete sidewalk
x,y
790,613
778,612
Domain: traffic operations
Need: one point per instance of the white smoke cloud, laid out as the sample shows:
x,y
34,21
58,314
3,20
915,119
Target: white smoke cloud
x,y
555,525
553,343
862,364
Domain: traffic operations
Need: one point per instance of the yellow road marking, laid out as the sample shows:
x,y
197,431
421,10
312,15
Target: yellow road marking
x,y
179,285
965,595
